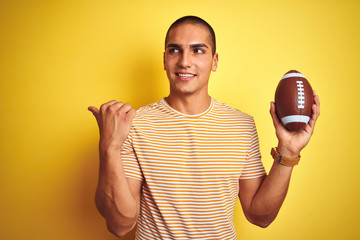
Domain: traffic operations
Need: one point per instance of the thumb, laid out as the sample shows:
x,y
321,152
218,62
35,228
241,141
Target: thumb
x,y
94,111
276,120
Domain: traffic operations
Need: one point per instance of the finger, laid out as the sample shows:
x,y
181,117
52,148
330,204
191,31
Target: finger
x,y
105,106
317,102
124,109
314,116
130,115
315,111
114,108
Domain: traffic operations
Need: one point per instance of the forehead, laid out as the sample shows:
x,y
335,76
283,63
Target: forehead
x,y
187,33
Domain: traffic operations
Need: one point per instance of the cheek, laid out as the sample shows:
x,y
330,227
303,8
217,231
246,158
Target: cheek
x,y
169,63
205,66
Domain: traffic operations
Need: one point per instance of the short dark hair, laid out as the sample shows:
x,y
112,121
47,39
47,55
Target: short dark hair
x,y
197,21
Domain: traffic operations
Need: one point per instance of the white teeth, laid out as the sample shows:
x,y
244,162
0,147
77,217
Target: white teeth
x,y
185,75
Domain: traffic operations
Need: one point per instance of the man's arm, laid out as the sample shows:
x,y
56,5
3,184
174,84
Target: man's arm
x,y
117,197
261,198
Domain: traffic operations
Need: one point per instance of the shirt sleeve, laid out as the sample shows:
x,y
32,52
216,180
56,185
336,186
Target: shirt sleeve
x,y
129,160
253,167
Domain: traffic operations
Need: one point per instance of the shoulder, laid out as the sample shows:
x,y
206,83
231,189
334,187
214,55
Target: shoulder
x,y
223,110
147,109
151,110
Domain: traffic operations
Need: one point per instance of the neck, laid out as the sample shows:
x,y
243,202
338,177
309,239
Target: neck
x,y
191,104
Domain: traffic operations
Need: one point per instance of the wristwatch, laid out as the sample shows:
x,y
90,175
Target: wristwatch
x,y
290,162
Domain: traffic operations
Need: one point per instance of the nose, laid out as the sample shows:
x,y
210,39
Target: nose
x,y
185,60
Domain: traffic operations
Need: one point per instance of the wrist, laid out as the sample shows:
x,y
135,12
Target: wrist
x,y
109,156
105,147
284,160
284,151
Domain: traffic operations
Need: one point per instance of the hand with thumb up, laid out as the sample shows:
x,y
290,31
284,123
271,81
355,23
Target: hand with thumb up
x,y
114,120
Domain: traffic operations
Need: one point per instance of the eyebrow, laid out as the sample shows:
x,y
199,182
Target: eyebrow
x,y
196,45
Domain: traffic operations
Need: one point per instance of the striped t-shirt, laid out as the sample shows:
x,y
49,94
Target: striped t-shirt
x,y
190,166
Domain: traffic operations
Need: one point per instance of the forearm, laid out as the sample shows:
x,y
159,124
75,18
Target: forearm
x,y
270,196
114,199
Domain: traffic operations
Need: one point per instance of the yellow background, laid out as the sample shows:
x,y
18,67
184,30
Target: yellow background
x,y
58,57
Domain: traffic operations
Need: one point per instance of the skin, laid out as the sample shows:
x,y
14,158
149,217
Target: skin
x,y
188,62
188,51
117,197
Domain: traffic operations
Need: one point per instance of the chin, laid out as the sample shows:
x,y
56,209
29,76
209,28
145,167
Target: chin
x,y
185,92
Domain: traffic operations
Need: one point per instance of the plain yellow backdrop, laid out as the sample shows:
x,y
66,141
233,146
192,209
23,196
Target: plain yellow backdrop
x,y
59,57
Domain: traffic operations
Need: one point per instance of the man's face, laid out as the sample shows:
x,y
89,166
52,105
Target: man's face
x,y
188,59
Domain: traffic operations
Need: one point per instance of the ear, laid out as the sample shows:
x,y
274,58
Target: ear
x,y
215,62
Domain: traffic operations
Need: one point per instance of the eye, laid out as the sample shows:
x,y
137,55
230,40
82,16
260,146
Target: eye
x,y
198,50
174,50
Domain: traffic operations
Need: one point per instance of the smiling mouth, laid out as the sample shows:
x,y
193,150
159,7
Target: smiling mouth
x,y
185,75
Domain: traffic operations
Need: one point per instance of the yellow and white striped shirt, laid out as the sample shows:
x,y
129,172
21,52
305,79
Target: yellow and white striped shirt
x,y
190,166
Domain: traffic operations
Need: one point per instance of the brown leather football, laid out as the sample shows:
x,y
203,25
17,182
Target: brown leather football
x,y
293,100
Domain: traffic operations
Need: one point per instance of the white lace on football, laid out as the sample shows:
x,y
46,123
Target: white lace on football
x,y
301,98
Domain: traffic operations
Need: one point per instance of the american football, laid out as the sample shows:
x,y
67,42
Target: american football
x,y
293,100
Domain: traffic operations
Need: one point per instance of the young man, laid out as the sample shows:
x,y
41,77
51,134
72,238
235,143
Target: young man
x,y
176,167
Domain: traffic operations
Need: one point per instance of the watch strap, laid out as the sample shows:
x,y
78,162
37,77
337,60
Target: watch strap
x,y
290,162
